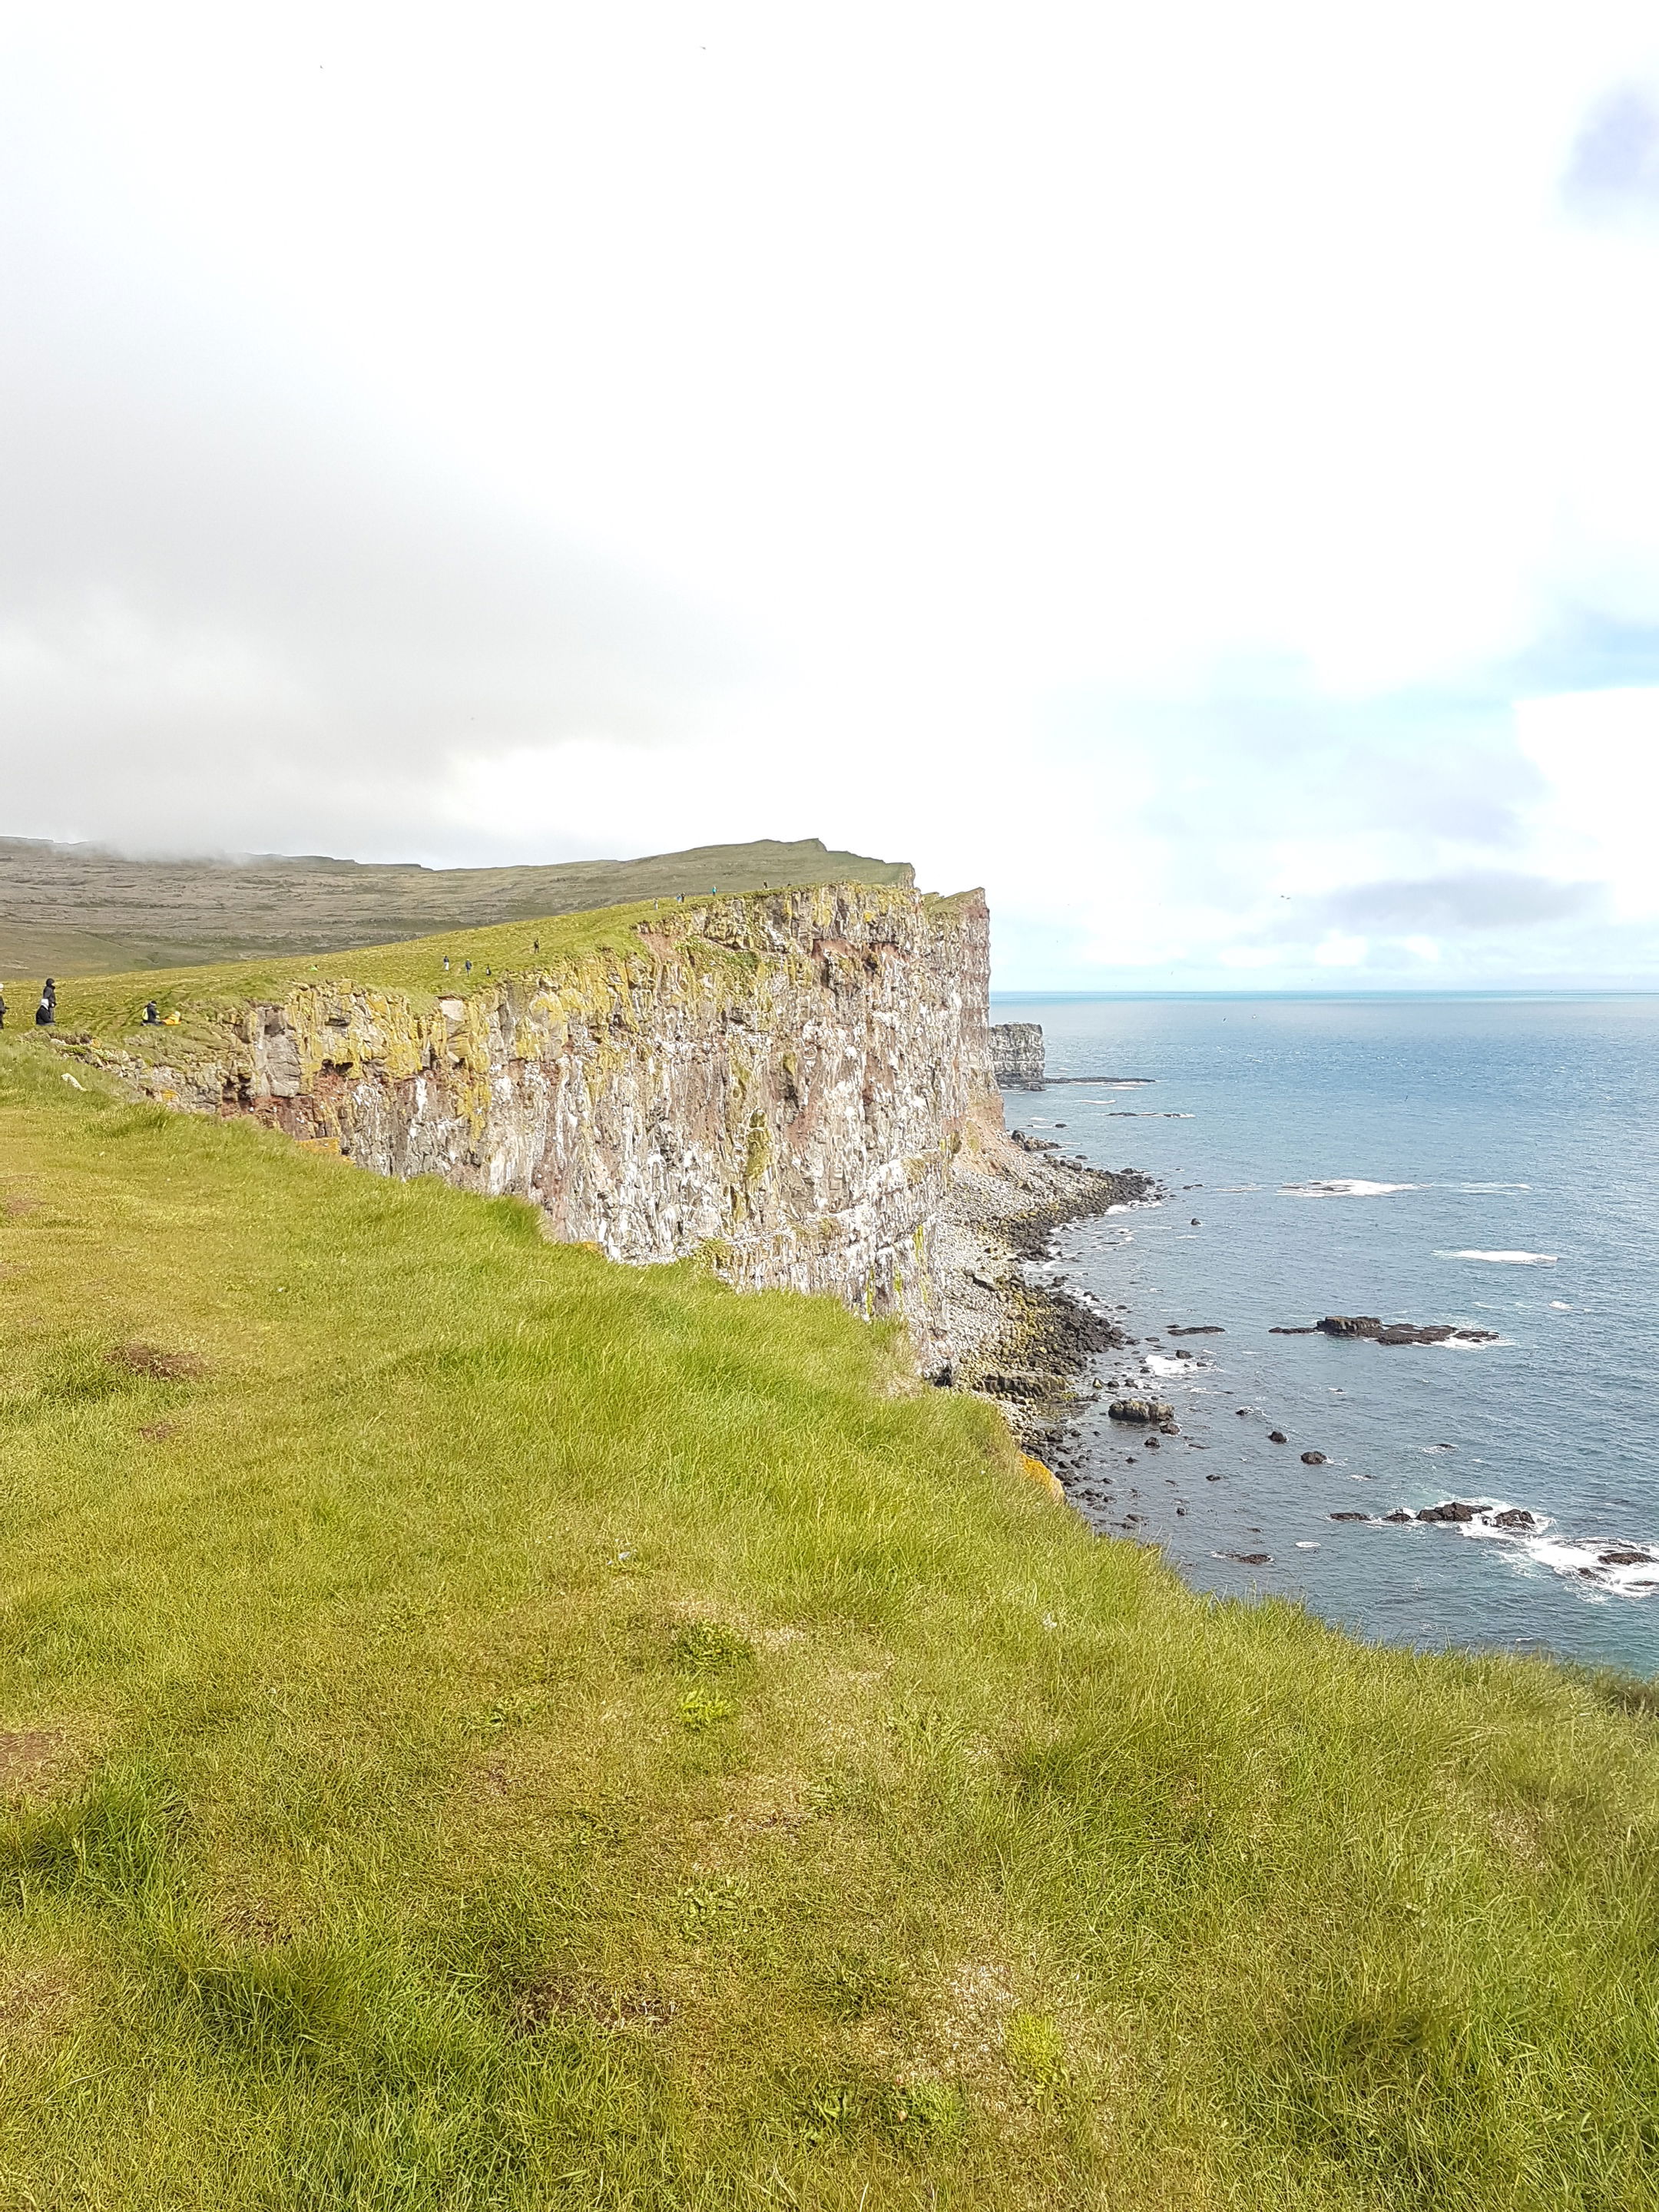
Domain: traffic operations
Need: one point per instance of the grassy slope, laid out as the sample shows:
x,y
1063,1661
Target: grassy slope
x,y
110,1008
73,910
521,1732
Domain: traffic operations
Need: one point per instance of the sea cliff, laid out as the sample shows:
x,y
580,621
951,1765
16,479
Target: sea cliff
x,y
785,1078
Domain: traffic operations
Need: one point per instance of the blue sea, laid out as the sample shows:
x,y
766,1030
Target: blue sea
x,y
1489,1162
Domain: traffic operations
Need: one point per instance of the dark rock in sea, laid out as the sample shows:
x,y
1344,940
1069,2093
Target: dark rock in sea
x,y
1454,1509
1513,1516
1396,1331
1625,1555
1351,1516
1200,1329
1399,1514
1151,1443
1196,1222
1277,1436
1244,1412
1293,1332
1313,1458
1252,1559
1153,1411
1212,1478
1172,1428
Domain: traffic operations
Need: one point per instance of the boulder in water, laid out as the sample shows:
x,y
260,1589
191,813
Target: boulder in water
x,y
1153,1411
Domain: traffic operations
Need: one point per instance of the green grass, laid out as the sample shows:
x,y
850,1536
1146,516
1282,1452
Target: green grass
x,y
75,910
110,1008
485,1728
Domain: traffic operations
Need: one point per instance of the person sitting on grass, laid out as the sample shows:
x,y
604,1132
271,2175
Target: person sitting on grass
x,y
46,1013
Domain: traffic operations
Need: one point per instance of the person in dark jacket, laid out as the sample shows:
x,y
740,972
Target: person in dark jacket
x,y
151,1018
46,1012
2,1009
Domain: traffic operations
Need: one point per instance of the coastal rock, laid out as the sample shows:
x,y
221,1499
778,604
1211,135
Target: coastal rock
x,y
1514,1516
1017,1052
1313,1458
1350,1517
1198,1328
1251,1559
1277,1436
1153,1411
1399,1514
1625,1555
1393,1332
1454,1510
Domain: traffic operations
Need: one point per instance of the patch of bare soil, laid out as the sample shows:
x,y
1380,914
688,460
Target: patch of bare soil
x,y
149,1359
31,1759
157,1432
37,1998
540,2004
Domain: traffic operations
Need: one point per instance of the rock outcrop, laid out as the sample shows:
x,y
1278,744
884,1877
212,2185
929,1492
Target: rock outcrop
x,y
1017,1052
785,1080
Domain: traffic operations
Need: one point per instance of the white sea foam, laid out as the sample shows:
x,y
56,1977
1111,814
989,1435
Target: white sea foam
x,y
1480,1189
1583,1564
1505,1259
1588,1565
1559,1306
1343,1187
1157,1364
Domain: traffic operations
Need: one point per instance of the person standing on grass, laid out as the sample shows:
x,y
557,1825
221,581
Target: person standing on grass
x,y
2,1006
46,1013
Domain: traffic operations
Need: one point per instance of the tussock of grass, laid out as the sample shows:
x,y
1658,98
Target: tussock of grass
x,y
539,1733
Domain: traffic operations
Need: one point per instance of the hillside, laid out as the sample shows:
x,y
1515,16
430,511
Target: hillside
x,y
484,1727
75,910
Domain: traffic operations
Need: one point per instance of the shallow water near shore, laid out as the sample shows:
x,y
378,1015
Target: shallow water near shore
x,y
1488,1162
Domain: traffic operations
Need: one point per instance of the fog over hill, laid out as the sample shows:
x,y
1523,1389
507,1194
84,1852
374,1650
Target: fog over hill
x,y
77,909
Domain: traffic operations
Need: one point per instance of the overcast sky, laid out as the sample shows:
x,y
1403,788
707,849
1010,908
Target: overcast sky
x,y
1192,469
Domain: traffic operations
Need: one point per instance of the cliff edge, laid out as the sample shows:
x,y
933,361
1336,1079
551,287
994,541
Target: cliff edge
x,y
785,1078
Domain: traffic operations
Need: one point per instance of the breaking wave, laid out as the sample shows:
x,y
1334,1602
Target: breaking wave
x,y
1343,1187
1505,1259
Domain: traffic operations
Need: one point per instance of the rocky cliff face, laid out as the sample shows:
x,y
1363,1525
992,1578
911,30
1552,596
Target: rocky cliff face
x,y
785,1078
1017,1052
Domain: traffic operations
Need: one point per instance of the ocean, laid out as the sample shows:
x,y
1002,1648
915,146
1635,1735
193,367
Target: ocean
x,y
1487,1162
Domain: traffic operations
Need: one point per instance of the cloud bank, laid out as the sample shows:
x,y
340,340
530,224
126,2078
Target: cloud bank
x,y
1192,475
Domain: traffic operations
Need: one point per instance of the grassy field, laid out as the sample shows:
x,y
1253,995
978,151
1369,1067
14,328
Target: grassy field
x,y
110,1008
75,910
485,1728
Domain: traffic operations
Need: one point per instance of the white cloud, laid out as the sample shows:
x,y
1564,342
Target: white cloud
x,y
1133,458
1600,753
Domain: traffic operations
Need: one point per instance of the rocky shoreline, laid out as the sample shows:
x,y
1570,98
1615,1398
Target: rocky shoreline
x,y
1021,1344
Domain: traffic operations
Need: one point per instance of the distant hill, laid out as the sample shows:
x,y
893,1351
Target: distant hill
x,y
76,910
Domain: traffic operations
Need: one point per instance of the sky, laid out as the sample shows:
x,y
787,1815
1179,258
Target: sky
x,y
1193,470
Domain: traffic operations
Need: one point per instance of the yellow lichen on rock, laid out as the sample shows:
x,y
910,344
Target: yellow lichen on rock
x,y
1044,1476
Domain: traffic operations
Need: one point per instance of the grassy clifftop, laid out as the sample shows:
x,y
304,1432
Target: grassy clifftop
x,y
74,910
486,1727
